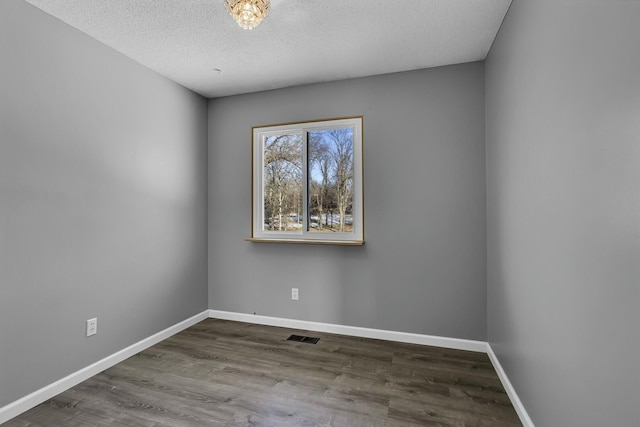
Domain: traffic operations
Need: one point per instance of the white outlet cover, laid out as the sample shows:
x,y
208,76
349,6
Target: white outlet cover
x,y
92,326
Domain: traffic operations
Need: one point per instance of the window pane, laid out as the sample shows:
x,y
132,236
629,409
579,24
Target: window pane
x,y
330,156
283,183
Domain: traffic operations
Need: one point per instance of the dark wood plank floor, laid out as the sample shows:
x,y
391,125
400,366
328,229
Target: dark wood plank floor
x,y
222,373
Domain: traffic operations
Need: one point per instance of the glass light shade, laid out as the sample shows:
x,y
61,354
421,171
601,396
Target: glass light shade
x,y
248,13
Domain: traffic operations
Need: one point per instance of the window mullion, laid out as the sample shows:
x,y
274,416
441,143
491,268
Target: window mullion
x,y
305,182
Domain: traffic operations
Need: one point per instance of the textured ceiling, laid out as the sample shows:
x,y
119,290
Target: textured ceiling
x,y
300,41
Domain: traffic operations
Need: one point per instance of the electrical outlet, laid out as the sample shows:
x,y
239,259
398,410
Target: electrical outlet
x,y
92,326
294,294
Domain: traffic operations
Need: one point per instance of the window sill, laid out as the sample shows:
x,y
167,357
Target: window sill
x,y
308,242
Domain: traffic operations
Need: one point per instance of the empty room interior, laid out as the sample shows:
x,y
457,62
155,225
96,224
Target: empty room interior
x,y
498,203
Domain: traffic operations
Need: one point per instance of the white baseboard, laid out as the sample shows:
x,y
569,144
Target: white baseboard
x,y
511,392
37,397
406,337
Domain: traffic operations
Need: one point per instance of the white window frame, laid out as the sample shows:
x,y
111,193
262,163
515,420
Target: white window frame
x,y
259,135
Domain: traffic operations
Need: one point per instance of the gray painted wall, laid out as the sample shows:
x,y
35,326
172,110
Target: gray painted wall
x,y
102,200
423,266
563,150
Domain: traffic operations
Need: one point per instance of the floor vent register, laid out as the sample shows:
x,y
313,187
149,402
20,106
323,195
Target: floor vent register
x,y
300,338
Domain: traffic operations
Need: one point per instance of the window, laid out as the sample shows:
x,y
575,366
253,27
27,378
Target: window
x,y
307,182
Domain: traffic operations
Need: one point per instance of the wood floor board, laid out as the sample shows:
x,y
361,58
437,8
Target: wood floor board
x,y
226,373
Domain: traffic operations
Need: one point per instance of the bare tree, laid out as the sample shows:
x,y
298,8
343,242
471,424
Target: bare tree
x,y
283,179
342,162
320,156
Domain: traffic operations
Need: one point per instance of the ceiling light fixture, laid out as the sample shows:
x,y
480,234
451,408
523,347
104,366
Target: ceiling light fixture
x,y
248,13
